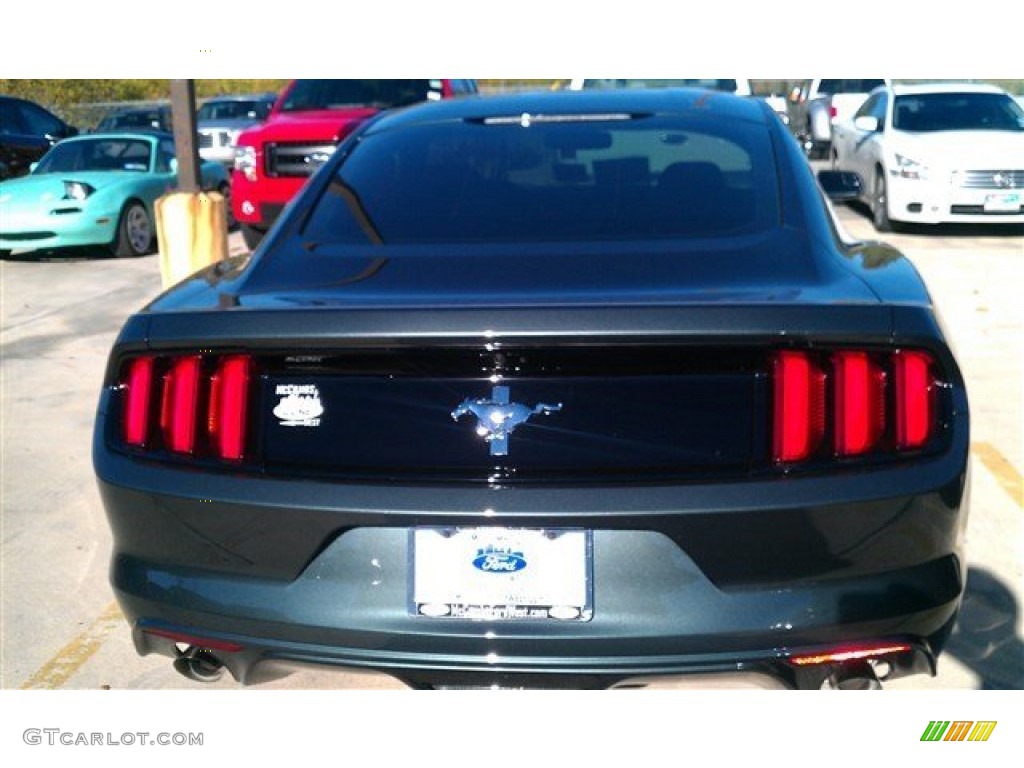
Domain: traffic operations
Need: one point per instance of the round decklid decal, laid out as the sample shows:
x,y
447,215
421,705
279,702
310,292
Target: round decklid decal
x,y
299,406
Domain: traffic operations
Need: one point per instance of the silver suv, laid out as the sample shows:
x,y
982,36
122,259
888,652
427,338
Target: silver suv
x,y
220,120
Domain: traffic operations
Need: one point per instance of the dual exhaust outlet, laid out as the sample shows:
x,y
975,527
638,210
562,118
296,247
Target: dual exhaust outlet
x,y
203,666
856,676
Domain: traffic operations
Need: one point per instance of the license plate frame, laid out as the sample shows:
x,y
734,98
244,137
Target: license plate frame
x,y
1003,202
501,574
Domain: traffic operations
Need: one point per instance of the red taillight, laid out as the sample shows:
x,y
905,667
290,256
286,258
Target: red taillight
x,y
229,389
178,409
915,398
859,397
138,385
833,113
799,406
866,402
182,385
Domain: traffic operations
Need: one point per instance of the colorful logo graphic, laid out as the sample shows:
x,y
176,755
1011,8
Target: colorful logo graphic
x,y
492,559
959,730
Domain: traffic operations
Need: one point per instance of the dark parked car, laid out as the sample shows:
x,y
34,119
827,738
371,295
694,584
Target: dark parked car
x,y
561,389
27,131
134,119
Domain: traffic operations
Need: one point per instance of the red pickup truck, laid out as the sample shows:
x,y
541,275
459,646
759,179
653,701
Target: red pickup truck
x,y
309,119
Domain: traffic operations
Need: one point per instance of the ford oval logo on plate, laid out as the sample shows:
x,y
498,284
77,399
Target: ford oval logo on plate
x,y
497,560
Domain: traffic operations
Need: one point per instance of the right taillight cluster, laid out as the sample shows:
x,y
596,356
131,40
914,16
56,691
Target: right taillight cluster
x,y
850,402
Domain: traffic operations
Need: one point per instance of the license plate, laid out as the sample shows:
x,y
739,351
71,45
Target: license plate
x,y
1001,202
501,574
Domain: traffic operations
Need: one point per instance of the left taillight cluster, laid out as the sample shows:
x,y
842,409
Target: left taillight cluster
x,y
187,404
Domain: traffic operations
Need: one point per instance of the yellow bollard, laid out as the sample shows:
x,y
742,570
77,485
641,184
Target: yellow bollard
x,y
192,232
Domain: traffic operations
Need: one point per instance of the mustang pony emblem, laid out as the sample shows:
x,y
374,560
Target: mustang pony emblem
x,y
497,418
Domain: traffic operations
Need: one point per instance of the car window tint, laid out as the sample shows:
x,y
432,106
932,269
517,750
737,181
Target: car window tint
x,y
39,121
868,107
233,110
10,118
258,110
574,180
164,155
135,156
108,155
714,84
849,86
65,156
139,119
333,94
957,112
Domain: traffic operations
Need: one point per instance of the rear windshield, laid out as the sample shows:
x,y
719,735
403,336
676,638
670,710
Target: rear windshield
x,y
957,112
553,178
336,94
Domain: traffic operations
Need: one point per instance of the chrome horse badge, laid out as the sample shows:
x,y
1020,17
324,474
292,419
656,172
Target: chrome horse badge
x,y
497,418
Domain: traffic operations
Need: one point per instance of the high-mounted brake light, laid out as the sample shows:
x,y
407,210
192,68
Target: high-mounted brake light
x,y
178,409
799,406
229,388
859,387
915,398
138,386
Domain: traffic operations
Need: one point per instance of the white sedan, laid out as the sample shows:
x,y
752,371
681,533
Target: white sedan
x,y
939,153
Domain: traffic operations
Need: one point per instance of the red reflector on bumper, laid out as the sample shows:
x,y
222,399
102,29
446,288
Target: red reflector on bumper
x,y
199,642
849,654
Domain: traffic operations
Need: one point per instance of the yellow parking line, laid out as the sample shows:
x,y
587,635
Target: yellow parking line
x,y
1007,475
59,669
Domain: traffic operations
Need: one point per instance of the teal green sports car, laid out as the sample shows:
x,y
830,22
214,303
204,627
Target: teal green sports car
x,y
97,189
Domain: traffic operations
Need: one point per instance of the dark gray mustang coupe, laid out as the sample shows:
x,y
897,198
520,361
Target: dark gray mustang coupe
x,y
553,390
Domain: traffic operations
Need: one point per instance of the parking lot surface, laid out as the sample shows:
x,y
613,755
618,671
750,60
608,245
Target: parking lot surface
x,y
60,314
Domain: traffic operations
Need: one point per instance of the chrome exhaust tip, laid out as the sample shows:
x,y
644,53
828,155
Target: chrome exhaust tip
x,y
857,676
199,664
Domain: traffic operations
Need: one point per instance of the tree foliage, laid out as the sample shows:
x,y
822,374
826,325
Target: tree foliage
x,y
58,94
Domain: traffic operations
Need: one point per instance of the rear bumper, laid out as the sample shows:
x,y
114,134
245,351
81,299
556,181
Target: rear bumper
x,y
687,580
254,660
